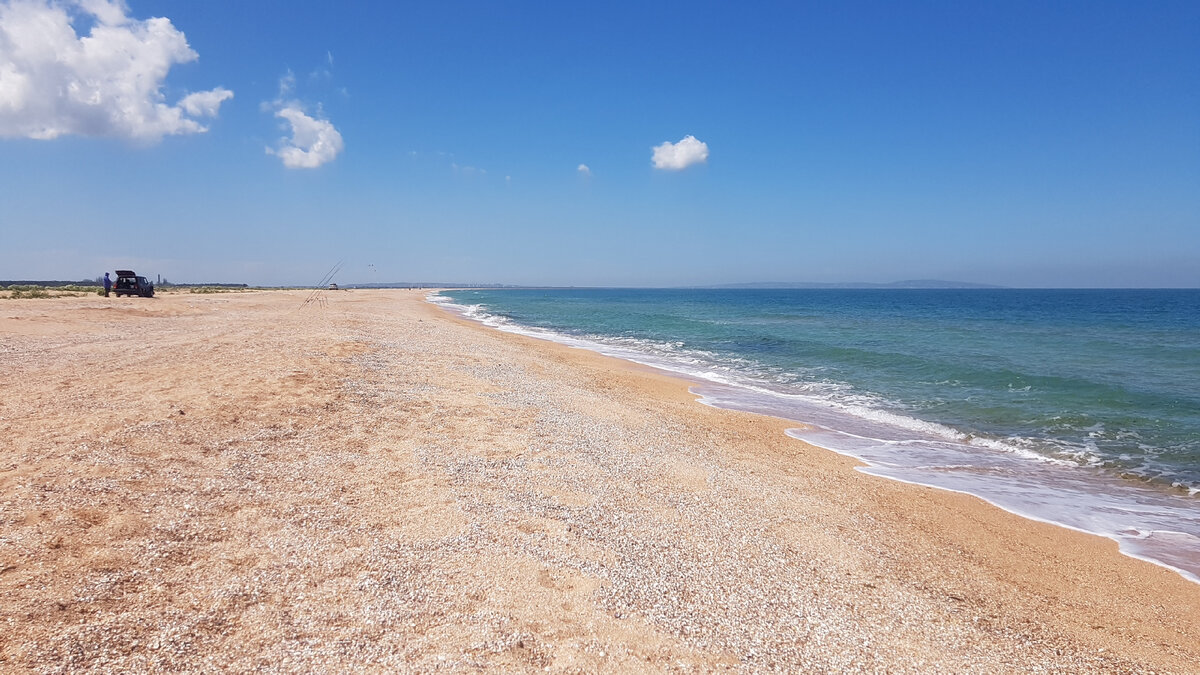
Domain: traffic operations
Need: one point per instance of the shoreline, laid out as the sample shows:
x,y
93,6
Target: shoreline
x,y
691,384
1016,511
377,483
1142,543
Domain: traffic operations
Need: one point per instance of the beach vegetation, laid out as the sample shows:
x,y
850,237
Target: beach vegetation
x,y
29,291
20,293
217,289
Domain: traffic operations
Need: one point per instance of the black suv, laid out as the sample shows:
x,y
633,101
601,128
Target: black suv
x,y
129,283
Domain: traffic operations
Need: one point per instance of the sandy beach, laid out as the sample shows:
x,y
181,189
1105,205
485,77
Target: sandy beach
x,y
242,481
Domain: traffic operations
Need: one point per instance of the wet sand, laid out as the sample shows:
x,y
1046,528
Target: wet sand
x,y
241,482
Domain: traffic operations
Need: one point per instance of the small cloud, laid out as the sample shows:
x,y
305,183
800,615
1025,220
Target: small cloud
x,y
584,170
313,142
55,82
324,72
681,155
205,103
287,84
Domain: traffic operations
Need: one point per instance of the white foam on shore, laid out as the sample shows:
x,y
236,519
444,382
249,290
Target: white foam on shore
x,y
1147,523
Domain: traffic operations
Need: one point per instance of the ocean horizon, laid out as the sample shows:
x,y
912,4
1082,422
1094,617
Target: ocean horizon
x,y
1076,407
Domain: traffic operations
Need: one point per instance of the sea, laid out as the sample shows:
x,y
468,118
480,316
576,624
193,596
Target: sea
x,y
1074,407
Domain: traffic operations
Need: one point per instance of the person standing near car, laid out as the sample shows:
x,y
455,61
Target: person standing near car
x,y
107,284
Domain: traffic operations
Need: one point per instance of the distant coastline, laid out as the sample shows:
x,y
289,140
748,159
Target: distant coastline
x,y
912,283
752,285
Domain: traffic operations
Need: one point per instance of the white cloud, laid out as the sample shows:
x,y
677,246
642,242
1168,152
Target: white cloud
x,y
54,82
584,170
313,142
287,84
681,155
205,103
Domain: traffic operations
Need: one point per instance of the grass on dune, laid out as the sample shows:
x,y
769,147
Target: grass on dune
x,y
24,291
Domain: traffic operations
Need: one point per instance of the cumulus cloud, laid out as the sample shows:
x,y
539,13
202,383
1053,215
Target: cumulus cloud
x,y
54,82
681,155
205,103
584,170
313,141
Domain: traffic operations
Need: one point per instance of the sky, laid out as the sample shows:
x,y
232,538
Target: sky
x,y
1026,144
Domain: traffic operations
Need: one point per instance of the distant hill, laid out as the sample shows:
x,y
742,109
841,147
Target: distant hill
x,y
424,284
912,283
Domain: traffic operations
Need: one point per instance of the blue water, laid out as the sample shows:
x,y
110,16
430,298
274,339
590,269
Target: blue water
x,y
1080,407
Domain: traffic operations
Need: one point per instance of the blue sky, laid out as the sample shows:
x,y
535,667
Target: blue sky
x,y
1022,144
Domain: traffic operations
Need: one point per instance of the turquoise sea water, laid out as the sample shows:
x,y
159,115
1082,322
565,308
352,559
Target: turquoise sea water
x,y
1080,407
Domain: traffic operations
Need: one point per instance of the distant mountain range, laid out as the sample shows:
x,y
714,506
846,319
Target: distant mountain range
x,y
912,283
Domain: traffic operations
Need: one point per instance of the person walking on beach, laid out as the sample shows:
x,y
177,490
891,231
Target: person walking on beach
x,y
107,284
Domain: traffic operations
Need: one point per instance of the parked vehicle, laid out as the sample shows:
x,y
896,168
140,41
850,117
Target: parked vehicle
x,y
129,283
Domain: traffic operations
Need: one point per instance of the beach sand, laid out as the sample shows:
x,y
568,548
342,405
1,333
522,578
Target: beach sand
x,y
242,482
